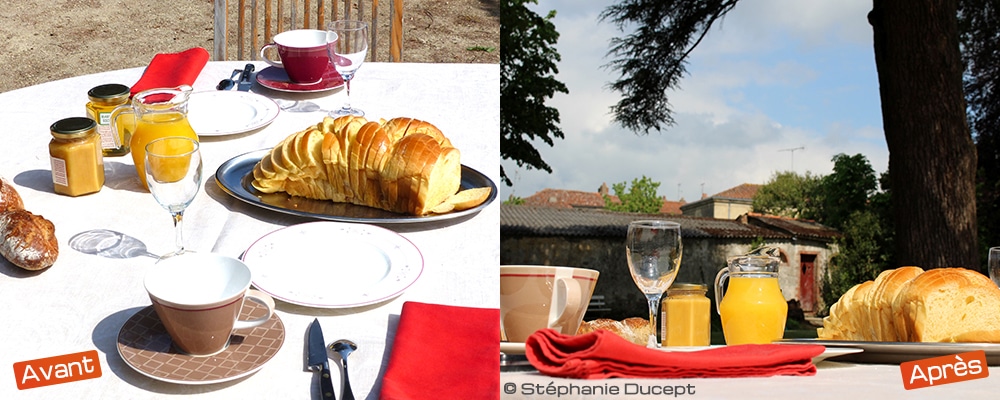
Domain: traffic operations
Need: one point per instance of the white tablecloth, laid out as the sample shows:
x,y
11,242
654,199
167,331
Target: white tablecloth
x,y
81,302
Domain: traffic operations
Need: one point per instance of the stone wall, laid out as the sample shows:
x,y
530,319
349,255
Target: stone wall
x,y
701,260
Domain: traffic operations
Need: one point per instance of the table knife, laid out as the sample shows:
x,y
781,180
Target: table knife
x,y
318,360
245,82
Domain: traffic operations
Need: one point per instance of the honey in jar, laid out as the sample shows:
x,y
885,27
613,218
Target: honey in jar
x,y
76,155
103,100
686,313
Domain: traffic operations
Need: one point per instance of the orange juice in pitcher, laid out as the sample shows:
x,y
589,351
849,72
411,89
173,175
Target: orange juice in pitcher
x,y
157,113
753,310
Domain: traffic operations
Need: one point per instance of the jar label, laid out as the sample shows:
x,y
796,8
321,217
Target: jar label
x,y
109,138
59,172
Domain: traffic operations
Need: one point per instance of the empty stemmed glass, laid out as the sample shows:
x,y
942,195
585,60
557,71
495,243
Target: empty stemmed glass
x,y
654,249
347,47
173,173
994,264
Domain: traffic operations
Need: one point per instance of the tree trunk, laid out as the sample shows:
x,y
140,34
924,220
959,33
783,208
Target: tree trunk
x,y
932,158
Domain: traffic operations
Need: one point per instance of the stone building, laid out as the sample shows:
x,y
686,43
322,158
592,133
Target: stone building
x,y
595,238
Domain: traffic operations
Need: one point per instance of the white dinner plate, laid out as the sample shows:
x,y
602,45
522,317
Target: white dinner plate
x,y
900,352
228,112
333,264
518,348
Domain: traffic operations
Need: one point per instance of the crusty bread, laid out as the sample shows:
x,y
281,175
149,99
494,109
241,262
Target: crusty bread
x,y
401,165
912,305
9,199
635,330
28,240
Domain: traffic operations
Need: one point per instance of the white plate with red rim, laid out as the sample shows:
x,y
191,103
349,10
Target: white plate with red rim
x,y
330,264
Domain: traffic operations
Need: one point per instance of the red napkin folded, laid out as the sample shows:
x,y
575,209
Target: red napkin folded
x,y
168,70
602,354
444,352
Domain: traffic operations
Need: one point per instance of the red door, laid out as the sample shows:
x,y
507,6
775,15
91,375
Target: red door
x,y
807,282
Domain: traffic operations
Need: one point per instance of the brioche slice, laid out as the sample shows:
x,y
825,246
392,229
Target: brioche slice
x,y
402,165
887,287
948,305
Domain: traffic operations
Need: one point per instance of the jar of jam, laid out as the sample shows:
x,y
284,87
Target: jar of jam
x,y
686,315
103,100
76,156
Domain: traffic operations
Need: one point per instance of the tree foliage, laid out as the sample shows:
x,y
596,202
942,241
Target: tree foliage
x,y
788,194
527,68
919,65
847,189
849,200
640,197
979,22
652,59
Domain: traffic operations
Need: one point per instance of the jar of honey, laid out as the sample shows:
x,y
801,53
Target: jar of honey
x,y
103,100
685,315
76,156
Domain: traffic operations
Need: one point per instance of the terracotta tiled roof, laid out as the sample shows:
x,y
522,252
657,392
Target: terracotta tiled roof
x,y
671,207
744,191
557,198
545,221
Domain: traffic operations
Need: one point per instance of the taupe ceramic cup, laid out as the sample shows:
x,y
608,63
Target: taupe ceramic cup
x,y
198,297
534,297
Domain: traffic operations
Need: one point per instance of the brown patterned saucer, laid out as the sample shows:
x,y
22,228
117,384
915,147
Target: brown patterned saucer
x,y
145,346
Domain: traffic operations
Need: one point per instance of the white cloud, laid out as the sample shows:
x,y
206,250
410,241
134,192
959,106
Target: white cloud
x,y
761,82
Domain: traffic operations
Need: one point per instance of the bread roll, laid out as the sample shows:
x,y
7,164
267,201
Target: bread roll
x,y
402,165
9,199
28,240
911,305
635,330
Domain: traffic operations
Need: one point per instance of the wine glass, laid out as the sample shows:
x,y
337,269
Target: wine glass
x,y
653,248
347,46
173,172
994,264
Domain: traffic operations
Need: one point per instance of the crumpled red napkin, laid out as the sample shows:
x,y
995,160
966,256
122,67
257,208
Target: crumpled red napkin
x,y
603,354
168,70
444,352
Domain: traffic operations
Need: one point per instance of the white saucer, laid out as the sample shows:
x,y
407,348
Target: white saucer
x,y
228,112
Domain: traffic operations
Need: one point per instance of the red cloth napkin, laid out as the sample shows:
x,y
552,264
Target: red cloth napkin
x,y
444,352
168,70
602,354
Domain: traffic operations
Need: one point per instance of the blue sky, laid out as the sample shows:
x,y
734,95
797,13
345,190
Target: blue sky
x,y
772,75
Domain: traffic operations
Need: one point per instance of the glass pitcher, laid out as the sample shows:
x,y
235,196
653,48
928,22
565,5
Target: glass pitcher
x,y
753,310
155,113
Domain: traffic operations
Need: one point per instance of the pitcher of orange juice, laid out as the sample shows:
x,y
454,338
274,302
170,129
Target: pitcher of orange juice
x,y
155,113
753,310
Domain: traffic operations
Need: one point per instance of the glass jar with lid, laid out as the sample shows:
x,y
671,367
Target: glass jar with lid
x,y
686,315
103,100
76,156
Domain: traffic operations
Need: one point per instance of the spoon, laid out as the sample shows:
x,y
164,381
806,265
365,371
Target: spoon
x,y
344,347
226,84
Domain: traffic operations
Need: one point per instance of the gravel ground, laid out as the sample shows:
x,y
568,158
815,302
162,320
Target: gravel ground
x,y
55,39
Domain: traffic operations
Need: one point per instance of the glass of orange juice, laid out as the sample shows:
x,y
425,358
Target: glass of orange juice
x,y
753,310
156,113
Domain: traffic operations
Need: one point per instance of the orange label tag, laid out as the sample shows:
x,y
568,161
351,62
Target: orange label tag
x,y
945,369
55,370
